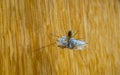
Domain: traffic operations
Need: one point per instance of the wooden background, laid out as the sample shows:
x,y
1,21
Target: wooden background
x,y
25,26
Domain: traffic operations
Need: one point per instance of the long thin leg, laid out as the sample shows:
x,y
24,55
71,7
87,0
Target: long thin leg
x,y
75,33
45,46
54,35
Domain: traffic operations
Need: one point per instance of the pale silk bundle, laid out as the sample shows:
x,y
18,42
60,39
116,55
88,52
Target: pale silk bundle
x,y
71,44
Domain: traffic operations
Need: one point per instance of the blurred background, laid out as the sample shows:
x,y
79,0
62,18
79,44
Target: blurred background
x,y
26,25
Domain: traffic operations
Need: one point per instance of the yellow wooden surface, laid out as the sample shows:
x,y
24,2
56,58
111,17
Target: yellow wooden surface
x,y
26,25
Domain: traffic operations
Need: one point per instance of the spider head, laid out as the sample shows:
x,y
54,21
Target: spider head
x,y
70,33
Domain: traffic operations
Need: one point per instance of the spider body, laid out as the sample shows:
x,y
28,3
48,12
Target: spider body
x,y
70,42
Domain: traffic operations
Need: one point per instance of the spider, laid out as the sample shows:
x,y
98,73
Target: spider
x,y
69,42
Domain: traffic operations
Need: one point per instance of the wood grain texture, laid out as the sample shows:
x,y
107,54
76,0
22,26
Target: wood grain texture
x,y
26,25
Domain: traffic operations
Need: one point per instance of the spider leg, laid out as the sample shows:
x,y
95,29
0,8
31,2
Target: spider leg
x,y
45,46
54,35
75,33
